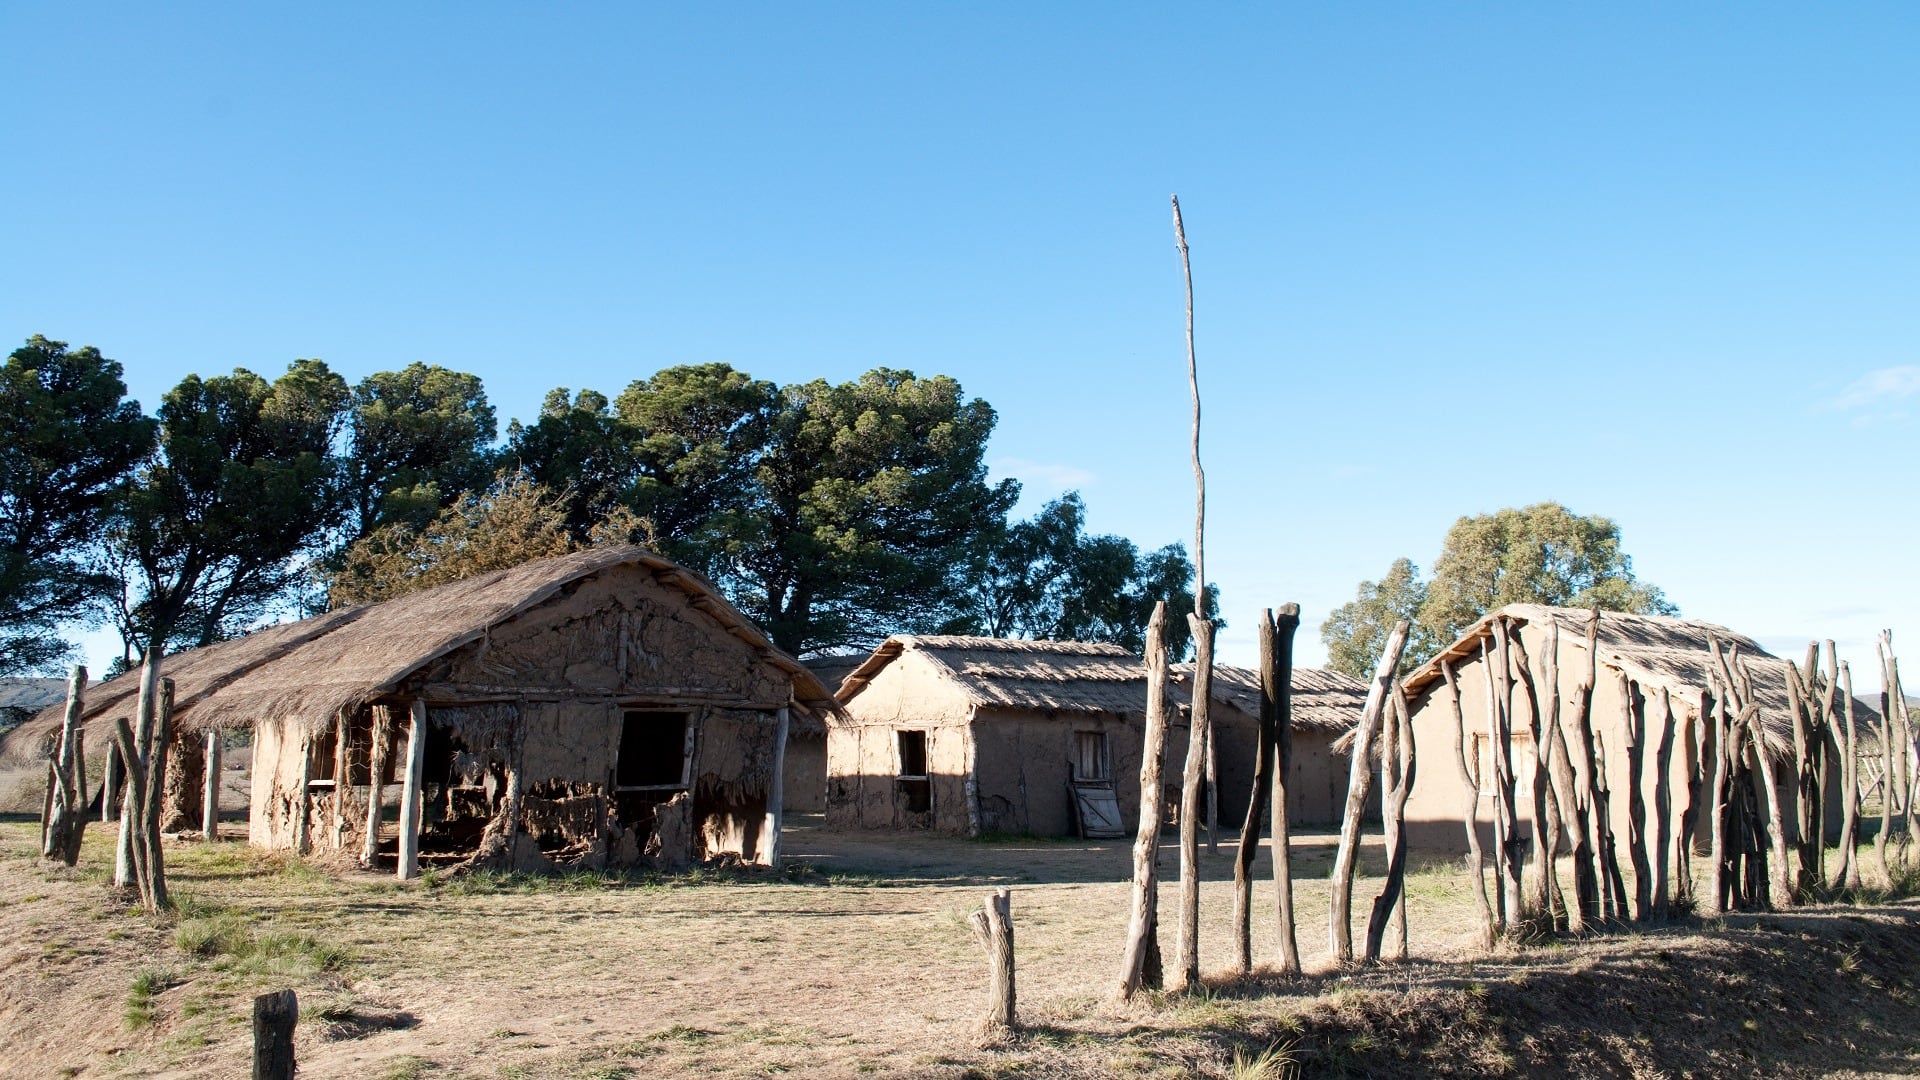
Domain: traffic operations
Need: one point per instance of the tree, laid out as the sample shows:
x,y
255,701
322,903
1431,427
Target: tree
x,y
581,450
513,521
208,534
1540,554
417,439
1046,578
71,439
870,493
1357,631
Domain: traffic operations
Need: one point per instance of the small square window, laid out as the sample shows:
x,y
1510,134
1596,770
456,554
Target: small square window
x,y
653,750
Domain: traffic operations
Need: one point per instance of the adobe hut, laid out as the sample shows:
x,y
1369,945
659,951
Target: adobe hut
x,y
1325,706
971,735
599,709
1650,671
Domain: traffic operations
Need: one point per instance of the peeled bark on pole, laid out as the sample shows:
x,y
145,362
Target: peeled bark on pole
x,y
1189,935
1470,812
1545,833
1588,782
1359,780
210,797
1280,691
1660,849
156,867
1256,806
1807,838
123,873
1779,873
65,823
408,864
1500,739
110,786
993,928
1904,757
1397,771
1574,811
1139,963
1888,779
1714,900
1634,722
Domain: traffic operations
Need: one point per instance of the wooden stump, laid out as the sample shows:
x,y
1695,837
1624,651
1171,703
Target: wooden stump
x,y
993,929
1140,960
275,1016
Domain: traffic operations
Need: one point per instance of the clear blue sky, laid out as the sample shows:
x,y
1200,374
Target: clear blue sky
x,y
1654,264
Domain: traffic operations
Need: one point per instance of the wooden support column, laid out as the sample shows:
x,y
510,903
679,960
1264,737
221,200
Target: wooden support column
x,y
776,789
342,790
410,792
1140,960
210,794
376,774
1359,779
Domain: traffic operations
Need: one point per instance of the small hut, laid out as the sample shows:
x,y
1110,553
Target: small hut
x,y
1651,684
599,709
972,734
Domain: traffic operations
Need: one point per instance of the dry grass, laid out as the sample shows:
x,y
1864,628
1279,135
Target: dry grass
x,y
858,961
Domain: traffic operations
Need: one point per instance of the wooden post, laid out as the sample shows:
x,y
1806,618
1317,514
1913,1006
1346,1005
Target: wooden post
x,y
1712,899
342,788
156,768
777,795
1190,809
1281,691
110,786
1256,806
303,802
65,823
210,797
971,785
1889,777
1849,740
1508,859
1545,835
410,809
1470,812
1139,963
123,874
993,929
1359,780
275,1016
1396,774
1663,810
376,785
1778,871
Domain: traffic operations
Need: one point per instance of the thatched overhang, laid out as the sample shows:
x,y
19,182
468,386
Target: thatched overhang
x,y
319,668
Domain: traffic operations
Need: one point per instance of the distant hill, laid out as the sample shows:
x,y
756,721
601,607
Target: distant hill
x,y
21,698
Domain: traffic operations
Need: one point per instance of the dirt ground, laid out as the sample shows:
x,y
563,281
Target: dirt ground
x,y
856,960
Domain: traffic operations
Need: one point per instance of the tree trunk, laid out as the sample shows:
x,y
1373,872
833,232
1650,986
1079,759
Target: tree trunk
x,y
1142,930
1396,755
1280,691
1359,780
408,863
1189,939
1545,834
1470,811
376,782
1256,806
1779,872
1713,902
1663,811
1848,738
123,870
1509,858
1634,723
65,823
993,929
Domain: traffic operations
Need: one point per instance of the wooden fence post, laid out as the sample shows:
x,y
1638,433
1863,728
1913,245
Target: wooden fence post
x,y
1469,762
65,823
1188,947
993,929
1256,807
1359,781
1396,775
1140,960
1282,694
275,1016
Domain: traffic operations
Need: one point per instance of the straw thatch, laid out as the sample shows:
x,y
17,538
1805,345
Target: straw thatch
x,y
1079,677
318,668
1656,651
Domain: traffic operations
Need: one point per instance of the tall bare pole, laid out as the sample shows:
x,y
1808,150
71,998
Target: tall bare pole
x,y
1202,723
1140,961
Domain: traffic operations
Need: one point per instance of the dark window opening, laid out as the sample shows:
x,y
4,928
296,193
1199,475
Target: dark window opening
x,y
653,750
322,750
913,780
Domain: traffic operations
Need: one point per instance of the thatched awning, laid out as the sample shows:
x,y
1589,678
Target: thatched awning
x,y
318,668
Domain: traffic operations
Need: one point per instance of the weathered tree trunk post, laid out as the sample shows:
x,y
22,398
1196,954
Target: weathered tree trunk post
x,y
1139,963
146,773
275,1016
1848,738
1256,805
1889,776
303,805
342,780
156,870
410,809
376,782
1470,811
65,824
777,792
210,797
1713,902
1544,826
1510,859
1359,780
123,872
993,929
1663,809
110,786
1899,721
1778,871
1281,693
1634,724
1213,793
1396,753
1189,940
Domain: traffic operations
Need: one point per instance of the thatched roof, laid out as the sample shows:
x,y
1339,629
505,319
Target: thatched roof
x,y
1656,651
1078,677
1321,700
318,667
833,670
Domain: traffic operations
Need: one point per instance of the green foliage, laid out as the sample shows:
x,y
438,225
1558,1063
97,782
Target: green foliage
x,y
1540,554
417,439
513,522
71,438
1046,578
206,536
